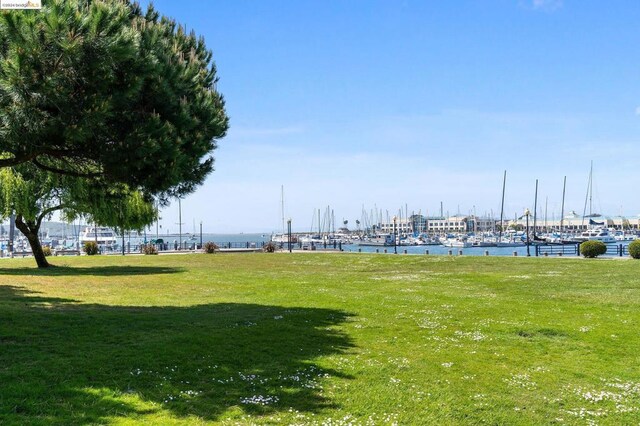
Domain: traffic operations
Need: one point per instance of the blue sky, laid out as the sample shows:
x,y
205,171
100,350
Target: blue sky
x,y
387,103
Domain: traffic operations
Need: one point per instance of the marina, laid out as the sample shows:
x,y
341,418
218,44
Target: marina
x,y
478,240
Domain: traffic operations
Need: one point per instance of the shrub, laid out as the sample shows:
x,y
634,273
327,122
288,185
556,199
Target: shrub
x,y
210,247
91,248
149,249
634,249
270,247
46,250
593,249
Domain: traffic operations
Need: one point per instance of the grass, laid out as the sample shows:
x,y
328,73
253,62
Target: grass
x,y
320,339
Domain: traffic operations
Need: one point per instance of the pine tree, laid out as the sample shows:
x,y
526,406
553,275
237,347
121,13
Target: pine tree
x,y
101,89
102,108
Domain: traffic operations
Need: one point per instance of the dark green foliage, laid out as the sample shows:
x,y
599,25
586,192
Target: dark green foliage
x,y
103,90
90,248
102,109
114,205
593,249
210,247
270,247
634,249
149,249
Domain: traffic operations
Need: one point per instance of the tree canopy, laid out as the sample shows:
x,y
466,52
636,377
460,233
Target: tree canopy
x,y
116,206
102,90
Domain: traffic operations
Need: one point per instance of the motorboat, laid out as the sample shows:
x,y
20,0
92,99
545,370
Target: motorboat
x,y
103,236
596,234
458,242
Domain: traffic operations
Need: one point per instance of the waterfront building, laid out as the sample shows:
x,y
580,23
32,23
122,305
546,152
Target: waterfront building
x,y
482,224
439,225
443,225
573,222
402,226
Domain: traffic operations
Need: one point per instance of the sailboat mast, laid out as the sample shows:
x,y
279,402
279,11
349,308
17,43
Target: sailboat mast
x,y
587,197
591,189
333,222
535,211
564,187
282,206
504,183
406,212
546,203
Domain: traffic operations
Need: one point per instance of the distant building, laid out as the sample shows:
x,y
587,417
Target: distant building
x,y
574,222
438,225
442,225
401,226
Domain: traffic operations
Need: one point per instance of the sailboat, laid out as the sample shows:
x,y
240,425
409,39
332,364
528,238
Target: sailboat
x,y
506,241
589,198
284,237
596,230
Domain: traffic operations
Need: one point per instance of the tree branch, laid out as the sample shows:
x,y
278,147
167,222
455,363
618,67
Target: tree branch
x,y
59,153
63,171
10,162
21,225
46,212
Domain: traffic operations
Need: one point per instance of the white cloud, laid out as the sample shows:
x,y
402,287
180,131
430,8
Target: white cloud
x,y
546,5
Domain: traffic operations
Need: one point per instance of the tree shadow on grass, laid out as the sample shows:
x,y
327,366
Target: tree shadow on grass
x,y
106,271
67,363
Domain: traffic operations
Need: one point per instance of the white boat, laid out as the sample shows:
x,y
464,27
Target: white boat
x,y
316,240
622,236
484,240
103,236
459,242
483,243
284,238
382,240
414,241
510,243
596,234
514,239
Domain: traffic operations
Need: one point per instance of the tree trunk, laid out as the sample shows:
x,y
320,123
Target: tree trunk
x,y
30,230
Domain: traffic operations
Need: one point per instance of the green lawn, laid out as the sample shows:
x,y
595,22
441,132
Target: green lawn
x,y
330,339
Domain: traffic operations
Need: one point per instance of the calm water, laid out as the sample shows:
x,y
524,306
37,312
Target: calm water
x,y
221,239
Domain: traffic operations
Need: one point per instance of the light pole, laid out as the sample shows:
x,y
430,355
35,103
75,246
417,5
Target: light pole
x,y
395,242
201,234
180,222
157,221
12,231
289,234
527,213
